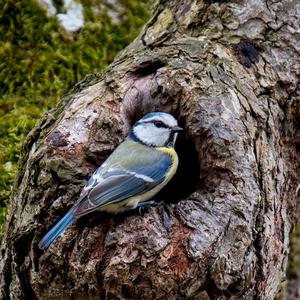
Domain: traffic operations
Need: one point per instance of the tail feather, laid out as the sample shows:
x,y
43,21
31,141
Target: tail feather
x,y
56,230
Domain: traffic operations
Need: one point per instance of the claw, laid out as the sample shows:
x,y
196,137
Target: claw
x,y
141,210
167,220
164,208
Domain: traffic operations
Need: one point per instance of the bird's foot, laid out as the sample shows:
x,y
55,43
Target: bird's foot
x,y
165,211
166,216
143,206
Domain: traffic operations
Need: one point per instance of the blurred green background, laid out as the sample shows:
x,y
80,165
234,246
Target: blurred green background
x,y
46,46
42,57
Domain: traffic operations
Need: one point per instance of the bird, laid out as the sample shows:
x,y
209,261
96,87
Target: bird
x,y
136,170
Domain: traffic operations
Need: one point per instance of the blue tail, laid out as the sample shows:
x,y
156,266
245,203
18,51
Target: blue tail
x,y
57,229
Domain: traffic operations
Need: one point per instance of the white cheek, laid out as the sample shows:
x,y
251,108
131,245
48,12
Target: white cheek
x,y
162,138
151,135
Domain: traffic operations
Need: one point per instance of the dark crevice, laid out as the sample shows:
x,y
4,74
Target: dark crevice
x,y
187,176
7,275
235,289
257,244
22,250
55,177
247,53
148,67
211,288
127,292
257,232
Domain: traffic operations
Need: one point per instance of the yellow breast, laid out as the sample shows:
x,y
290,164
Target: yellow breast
x,y
173,154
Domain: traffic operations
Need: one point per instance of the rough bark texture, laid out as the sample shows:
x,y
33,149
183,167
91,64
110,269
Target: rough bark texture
x,y
229,71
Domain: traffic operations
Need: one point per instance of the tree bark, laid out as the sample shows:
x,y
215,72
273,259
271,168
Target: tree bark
x,y
229,72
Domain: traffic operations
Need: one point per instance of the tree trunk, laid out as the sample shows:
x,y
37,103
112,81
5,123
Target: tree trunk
x,y
229,72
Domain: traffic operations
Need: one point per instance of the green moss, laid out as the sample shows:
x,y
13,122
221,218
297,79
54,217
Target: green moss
x,y
294,256
17,116
39,62
36,54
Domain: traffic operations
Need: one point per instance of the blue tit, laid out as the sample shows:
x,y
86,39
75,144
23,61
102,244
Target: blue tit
x,y
137,170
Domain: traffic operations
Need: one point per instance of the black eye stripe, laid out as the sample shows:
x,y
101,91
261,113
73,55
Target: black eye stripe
x,y
160,124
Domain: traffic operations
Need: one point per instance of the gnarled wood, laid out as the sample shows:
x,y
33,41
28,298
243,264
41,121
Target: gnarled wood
x,y
229,71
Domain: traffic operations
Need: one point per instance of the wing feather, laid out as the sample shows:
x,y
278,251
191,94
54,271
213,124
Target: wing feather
x,y
123,179
111,190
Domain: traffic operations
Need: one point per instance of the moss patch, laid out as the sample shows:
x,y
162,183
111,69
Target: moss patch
x,y
294,256
39,62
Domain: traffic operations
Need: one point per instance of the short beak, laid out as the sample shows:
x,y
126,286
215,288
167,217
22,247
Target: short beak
x,y
177,129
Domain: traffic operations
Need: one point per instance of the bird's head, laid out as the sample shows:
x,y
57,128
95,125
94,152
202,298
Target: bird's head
x,y
157,129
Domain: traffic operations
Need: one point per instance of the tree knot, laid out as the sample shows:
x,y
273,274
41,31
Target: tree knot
x,y
246,52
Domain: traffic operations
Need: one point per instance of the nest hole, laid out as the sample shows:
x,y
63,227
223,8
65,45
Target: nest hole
x,y
187,176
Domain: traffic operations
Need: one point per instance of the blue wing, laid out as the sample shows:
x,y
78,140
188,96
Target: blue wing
x,y
123,180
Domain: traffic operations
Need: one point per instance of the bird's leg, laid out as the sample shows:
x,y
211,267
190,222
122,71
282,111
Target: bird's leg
x,y
145,204
165,211
166,216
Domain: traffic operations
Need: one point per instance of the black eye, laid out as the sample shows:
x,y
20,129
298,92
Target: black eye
x,y
160,124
